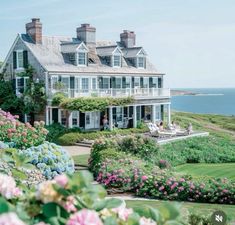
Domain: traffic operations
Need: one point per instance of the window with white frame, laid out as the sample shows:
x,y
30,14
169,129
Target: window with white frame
x,y
20,59
128,82
94,83
85,84
82,58
141,62
65,82
106,83
21,84
116,60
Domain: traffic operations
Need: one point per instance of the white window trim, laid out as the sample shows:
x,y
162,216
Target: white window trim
x,y
137,62
120,62
77,58
16,83
17,63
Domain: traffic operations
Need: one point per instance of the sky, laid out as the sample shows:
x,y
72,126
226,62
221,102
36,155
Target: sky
x,y
191,41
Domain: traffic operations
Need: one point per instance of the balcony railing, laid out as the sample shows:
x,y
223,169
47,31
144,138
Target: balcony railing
x,y
137,93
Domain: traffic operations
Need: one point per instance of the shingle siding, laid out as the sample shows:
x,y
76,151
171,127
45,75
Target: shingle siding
x,y
10,71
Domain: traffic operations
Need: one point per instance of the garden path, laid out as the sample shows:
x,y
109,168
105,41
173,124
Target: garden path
x,y
77,150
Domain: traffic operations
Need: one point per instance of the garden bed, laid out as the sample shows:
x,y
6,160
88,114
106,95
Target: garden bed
x,y
138,165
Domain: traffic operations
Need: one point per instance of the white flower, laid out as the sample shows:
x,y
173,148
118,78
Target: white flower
x,y
8,187
10,219
145,221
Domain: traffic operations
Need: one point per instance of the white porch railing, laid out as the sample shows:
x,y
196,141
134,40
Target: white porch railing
x,y
137,93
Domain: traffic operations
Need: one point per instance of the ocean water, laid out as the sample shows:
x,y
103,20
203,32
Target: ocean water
x,y
212,101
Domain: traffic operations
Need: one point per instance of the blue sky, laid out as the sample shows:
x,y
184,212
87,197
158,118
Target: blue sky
x,y
192,41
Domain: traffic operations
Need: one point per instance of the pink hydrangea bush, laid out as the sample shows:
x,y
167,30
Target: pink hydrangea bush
x,y
8,187
22,135
72,200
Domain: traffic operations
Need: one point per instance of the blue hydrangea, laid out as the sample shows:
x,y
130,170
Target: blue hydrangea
x,y
51,159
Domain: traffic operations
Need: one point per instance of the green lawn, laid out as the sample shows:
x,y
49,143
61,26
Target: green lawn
x,y
81,159
198,208
220,170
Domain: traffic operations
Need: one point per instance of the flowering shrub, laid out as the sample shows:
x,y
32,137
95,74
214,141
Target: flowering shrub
x,y
51,159
22,135
73,200
129,173
185,189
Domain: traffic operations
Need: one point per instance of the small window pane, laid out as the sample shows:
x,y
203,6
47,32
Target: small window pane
x,y
141,62
117,60
82,58
85,84
93,83
20,59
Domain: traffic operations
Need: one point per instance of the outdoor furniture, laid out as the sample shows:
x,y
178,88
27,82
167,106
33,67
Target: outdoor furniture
x,y
155,131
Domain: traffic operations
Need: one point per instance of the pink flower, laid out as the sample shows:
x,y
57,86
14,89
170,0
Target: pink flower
x,y
123,212
161,188
8,187
10,219
69,205
145,221
85,217
144,178
61,180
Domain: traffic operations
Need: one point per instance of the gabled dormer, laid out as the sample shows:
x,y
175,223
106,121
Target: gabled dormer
x,y
136,56
111,54
76,52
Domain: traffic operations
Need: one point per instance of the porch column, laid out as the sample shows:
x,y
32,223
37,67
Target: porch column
x,y
153,113
169,114
134,116
46,82
47,116
70,120
50,120
111,118
59,116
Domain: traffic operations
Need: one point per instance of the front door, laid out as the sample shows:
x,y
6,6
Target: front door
x,y
92,120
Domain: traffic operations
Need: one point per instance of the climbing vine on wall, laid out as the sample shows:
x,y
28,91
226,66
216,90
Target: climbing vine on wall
x,y
87,104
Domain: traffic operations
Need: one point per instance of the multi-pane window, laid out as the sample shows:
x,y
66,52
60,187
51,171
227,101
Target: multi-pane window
x,y
94,84
75,115
137,82
116,60
141,62
145,82
85,84
81,58
118,82
128,82
106,83
21,84
65,82
20,59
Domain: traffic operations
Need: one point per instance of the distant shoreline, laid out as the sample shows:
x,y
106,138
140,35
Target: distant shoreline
x,y
190,93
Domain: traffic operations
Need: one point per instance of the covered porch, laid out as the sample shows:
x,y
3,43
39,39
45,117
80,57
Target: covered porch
x,y
118,117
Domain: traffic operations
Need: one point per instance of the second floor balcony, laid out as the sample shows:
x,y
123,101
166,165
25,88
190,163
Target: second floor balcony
x,y
137,93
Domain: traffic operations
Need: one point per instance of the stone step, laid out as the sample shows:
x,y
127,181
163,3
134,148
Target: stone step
x,y
84,144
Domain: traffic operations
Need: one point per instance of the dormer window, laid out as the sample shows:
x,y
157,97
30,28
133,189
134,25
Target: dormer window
x,y
82,58
117,61
141,62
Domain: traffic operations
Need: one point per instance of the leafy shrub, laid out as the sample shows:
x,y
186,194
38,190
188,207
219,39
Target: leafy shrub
x,y
54,131
50,158
22,135
73,137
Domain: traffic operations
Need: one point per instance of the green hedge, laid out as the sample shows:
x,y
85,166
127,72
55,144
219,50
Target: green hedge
x,y
74,137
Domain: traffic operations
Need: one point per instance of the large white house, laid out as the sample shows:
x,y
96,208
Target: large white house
x,y
81,66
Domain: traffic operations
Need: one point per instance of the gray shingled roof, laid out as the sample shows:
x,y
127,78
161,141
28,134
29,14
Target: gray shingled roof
x,y
105,50
51,58
131,52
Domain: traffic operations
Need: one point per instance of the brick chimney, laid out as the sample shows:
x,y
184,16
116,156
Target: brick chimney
x,y
34,29
87,34
128,38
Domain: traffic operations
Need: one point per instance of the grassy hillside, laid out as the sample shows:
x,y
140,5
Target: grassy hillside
x,y
218,125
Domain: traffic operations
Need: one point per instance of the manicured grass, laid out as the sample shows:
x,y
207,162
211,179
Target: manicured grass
x,y
81,159
198,208
221,170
